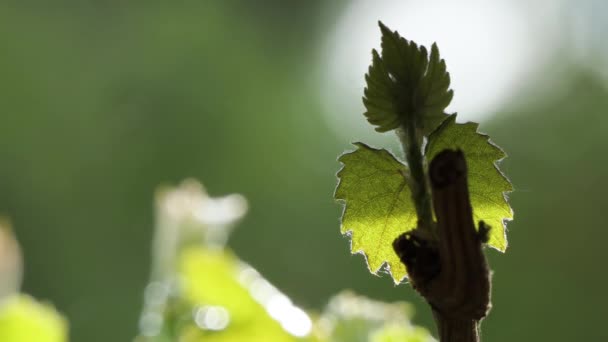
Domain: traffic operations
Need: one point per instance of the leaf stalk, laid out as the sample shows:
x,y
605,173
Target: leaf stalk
x,y
411,142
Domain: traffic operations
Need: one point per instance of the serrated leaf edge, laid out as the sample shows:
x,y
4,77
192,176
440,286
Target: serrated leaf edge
x,y
495,163
384,266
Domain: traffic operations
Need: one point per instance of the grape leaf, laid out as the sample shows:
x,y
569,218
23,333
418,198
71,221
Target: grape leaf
x,y
378,206
487,185
405,84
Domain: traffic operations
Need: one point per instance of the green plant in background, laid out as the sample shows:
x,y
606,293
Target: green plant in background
x,y
388,205
22,318
200,291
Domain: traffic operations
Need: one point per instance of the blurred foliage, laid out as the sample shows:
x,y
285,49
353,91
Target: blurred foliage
x,y
101,101
210,279
213,279
22,319
222,299
203,292
352,318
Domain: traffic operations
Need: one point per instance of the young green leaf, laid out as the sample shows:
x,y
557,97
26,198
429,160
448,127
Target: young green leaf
x,y
378,205
487,185
405,84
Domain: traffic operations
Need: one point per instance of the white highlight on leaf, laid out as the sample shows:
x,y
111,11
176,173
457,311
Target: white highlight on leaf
x,y
293,319
190,201
186,214
150,324
156,293
211,318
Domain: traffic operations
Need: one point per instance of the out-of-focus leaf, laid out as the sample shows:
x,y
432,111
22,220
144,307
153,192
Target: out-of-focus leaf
x,y
378,206
400,333
352,318
487,185
230,301
200,290
405,84
23,319
11,262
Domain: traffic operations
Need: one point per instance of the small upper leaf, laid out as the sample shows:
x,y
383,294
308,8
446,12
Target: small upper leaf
x,y
378,205
406,84
487,185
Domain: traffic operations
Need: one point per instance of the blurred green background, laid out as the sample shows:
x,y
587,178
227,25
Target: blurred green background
x,y
102,101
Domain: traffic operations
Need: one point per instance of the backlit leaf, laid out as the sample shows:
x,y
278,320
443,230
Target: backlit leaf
x,y
404,83
487,185
378,205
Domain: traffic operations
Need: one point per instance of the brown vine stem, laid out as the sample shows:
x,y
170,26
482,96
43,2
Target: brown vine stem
x,y
451,273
